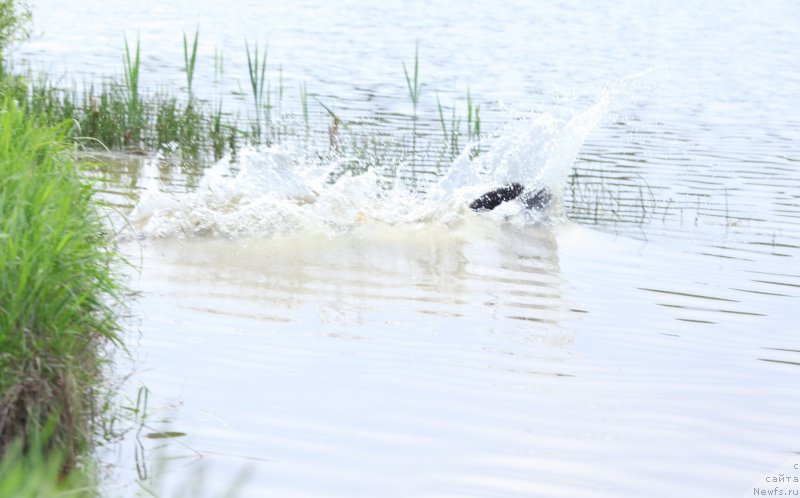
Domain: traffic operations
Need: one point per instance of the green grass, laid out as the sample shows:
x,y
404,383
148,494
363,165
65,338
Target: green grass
x,y
120,115
414,86
135,115
190,61
473,123
451,132
414,92
31,470
257,70
304,107
59,290
103,116
15,18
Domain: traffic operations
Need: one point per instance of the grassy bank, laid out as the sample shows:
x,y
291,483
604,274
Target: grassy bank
x,y
57,295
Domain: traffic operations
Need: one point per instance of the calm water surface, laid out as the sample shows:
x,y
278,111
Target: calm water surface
x,y
342,341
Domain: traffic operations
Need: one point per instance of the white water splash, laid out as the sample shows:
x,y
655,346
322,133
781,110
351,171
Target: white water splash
x,y
275,190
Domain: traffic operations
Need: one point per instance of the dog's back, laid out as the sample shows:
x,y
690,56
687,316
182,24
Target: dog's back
x,y
494,198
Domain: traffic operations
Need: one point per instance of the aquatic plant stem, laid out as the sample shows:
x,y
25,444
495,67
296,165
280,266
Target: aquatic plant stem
x,y
257,69
135,117
189,61
414,91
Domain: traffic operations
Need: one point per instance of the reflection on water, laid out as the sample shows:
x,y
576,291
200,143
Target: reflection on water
x,y
491,359
394,331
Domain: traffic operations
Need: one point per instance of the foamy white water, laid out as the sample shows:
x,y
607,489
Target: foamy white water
x,y
279,189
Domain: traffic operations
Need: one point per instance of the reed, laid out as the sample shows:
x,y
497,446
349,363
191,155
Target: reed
x,y
257,70
280,89
99,116
473,125
189,61
219,65
450,135
334,139
217,133
103,116
451,131
414,87
135,117
304,107
167,124
119,115
414,92
441,117
191,132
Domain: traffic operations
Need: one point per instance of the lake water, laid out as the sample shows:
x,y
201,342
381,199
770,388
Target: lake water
x,y
360,338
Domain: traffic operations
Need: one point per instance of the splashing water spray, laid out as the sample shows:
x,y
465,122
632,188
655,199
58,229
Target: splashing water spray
x,y
275,190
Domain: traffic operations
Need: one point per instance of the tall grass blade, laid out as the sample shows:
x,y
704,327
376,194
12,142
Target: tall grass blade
x,y
414,89
304,106
134,115
441,119
189,60
257,69
414,92
219,65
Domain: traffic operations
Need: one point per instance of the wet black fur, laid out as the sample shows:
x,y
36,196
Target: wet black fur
x,y
494,198
491,200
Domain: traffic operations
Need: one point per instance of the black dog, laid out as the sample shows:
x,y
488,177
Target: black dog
x,y
494,198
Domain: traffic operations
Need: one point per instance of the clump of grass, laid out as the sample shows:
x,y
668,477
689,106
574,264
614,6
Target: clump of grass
x,y
191,130
58,288
451,134
473,124
451,130
217,133
168,122
31,470
223,133
103,116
